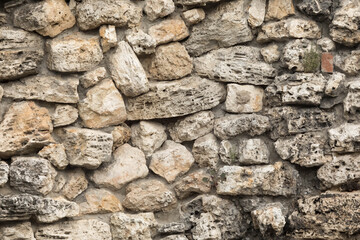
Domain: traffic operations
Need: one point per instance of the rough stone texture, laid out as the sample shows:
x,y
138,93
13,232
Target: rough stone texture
x,y
294,53
94,13
279,9
158,9
195,2
269,217
141,43
279,179
193,16
92,77
345,138
326,44
73,53
206,150
129,164
17,231
1,93
242,64
127,71
243,98
174,227
257,13
76,183
103,106
175,237
350,64
93,229
270,53
108,37
176,98
196,182
48,18
121,134
321,9
86,148
224,26
192,127
100,201
25,128
46,88
335,84
64,115
351,102
228,152
169,30
4,173
56,154
171,160
253,151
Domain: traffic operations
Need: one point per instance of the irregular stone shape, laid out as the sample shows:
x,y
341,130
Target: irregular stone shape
x,y
46,88
73,53
327,62
335,84
193,16
174,227
141,43
100,201
195,2
279,9
279,179
148,136
56,154
345,25
14,38
108,37
253,151
92,229
243,64
235,124
172,99
192,127
345,138
294,53
169,62
243,98
257,13
86,148
127,71
321,9
25,128
129,164
197,182
4,173
140,226
94,13
121,135
175,237
171,160
92,77
270,53
149,196
326,44
289,28
76,183
158,9
103,106
225,26
16,231
351,63
46,210
206,228
351,101
169,30
229,152
64,115
206,151
48,18
269,217
331,215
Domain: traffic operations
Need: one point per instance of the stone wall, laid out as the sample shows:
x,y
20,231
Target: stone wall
x,y
192,119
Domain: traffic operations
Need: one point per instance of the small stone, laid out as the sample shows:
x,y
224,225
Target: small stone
x,y
127,71
75,184
228,152
294,54
271,53
108,37
195,2
100,201
257,13
192,127
345,138
141,43
193,16
327,62
175,237
197,182
171,160
1,93
48,18
335,84
243,98
56,154
352,101
92,77
121,135
279,9
60,182
321,9
16,231
103,106
253,151
169,30
206,227
174,227
148,136
158,9
269,217
129,164
4,173
206,151
64,115
326,44
351,64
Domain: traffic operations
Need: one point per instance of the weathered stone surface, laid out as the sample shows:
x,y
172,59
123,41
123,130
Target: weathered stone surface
x,y
195,2
345,138
100,201
108,37
48,18
175,237
46,88
103,106
4,173
193,16
169,62
235,124
94,13
279,179
270,53
24,129
326,44
148,136
16,231
206,150
289,28
172,99
73,53
269,217
56,154
92,77
253,151
171,160
196,182
121,135
206,227
335,84
127,71
169,30
229,152
141,43
158,9
224,26
92,229
86,148
242,64
279,9
352,102
64,115
149,196
243,98
129,164
1,93
140,226
76,183
320,9
14,38
350,63
257,13
174,227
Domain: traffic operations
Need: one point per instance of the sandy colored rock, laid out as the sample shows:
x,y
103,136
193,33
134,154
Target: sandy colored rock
x,y
108,37
56,154
253,151
351,101
269,217
175,237
169,30
76,183
158,9
92,77
206,150
100,201
141,43
279,9
15,231
229,152
193,16
257,13
326,44
351,63
270,53
196,182
64,115
345,138
121,135
335,84
294,53
4,173
195,2
243,98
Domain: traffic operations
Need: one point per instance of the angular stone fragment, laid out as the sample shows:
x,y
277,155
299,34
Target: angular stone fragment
x,y
14,38
195,2
351,63
253,151
206,151
158,9
75,184
91,78
169,30
279,9
243,98
257,13
103,106
192,127
56,154
171,160
141,43
326,44
197,182
345,138
121,134
335,84
108,37
242,64
16,231
269,217
352,102
279,179
94,13
1,93
321,9
225,26
73,53
64,115
294,53
174,227
193,16
206,227
46,88
172,99
92,229
86,148
4,173
229,152
270,53
100,201
48,18
129,164
24,129
175,237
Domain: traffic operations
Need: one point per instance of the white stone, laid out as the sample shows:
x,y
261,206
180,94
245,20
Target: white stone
x,y
271,53
269,216
100,201
56,154
4,173
335,84
206,150
155,9
75,184
257,13
253,151
142,43
345,138
194,16
64,115
108,37
244,98
92,77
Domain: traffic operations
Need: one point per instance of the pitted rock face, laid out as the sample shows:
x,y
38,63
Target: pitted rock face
x,y
13,231
4,173
100,201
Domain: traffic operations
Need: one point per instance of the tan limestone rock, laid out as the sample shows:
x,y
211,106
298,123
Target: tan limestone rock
x,y
279,9
244,98
100,201
196,182
169,30
56,154
121,135
64,115
108,37
76,183
193,16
